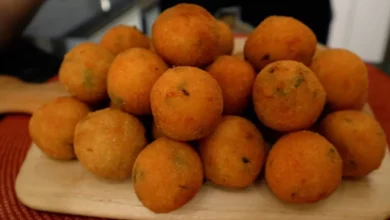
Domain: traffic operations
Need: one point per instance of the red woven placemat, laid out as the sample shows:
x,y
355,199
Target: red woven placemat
x,y
379,88
15,141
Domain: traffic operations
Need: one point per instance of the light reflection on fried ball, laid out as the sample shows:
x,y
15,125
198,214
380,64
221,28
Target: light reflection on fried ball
x,y
186,103
52,126
122,37
280,38
107,142
166,175
344,77
359,139
233,155
287,96
303,167
186,35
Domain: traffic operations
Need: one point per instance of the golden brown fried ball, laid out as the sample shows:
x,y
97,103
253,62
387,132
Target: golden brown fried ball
x,y
303,167
83,72
186,35
344,77
131,77
122,37
319,50
226,38
166,175
287,96
359,139
233,155
280,38
53,124
107,142
156,133
235,77
186,103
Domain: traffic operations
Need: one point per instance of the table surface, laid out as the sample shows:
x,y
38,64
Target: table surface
x,y
15,141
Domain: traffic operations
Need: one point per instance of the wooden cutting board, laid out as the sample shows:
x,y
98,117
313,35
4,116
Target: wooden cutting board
x,y
66,187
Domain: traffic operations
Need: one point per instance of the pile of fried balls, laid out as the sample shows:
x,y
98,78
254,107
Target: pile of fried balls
x,y
178,109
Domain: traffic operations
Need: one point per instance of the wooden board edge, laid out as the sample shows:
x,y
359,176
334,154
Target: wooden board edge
x,y
37,202
78,207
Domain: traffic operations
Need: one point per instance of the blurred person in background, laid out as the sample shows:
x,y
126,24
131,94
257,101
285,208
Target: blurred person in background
x,y
14,17
18,56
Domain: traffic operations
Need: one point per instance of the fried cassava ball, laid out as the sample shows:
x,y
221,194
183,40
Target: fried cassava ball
x,y
186,103
359,139
344,77
303,167
226,38
280,38
52,126
83,72
186,35
233,155
156,133
131,77
107,142
122,37
235,76
166,175
287,96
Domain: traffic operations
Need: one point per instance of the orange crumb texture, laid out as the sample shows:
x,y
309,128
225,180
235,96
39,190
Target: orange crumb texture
x,y
185,106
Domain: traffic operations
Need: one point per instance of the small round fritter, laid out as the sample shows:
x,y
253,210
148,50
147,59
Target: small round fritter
x,y
121,37
52,126
83,72
107,142
186,103
280,38
303,167
131,77
287,96
359,139
226,38
235,76
233,155
166,175
156,133
186,35
344,77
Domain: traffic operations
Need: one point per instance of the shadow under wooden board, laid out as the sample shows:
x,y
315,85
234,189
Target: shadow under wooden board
x,y
66,187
